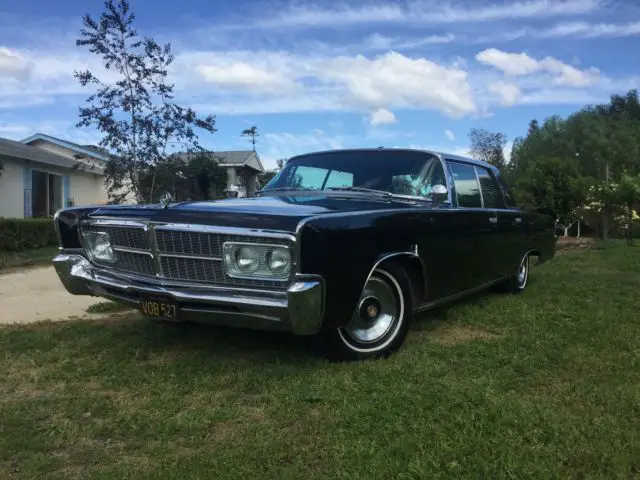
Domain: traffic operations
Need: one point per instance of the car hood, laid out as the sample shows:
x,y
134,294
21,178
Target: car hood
x,y
264,212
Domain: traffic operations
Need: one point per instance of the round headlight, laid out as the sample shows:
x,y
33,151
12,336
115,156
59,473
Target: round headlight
x,y
279,260
247,259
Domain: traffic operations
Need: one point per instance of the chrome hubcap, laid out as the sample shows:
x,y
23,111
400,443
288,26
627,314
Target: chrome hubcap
x,y
523,271
376,314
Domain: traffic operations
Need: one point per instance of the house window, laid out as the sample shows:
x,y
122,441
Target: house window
x,y
46,193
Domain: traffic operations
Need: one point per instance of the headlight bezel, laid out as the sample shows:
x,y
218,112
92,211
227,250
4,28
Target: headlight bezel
x,y
89,246
263,272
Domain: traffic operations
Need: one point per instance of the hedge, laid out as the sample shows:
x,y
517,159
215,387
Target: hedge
x,y
17,234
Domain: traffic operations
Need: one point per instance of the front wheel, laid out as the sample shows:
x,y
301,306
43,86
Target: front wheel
x,y
380,322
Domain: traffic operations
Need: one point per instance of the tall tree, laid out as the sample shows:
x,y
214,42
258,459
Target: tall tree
x,y
488,146
252,133
135,113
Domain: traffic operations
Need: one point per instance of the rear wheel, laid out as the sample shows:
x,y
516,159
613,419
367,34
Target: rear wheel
x,y
518,282
380,322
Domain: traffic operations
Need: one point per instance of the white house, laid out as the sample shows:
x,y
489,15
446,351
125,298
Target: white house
x,y
42,174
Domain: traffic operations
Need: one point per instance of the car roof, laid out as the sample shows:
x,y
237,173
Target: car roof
x,y
441,155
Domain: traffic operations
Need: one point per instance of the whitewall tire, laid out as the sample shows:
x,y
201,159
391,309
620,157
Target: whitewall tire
x,y
380,321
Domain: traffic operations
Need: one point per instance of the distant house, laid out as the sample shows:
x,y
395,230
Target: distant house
x,y
42,174
243,168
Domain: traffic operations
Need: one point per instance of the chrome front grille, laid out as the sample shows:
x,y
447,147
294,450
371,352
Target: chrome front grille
x,y
188,243
135,262
197,269
184,253
122,236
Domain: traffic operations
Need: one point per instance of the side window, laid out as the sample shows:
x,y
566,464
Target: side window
x,y
490,191
466,183
508,198
419,183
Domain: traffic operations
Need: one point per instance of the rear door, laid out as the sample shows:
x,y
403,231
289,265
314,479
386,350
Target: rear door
x,y
477,228
511,225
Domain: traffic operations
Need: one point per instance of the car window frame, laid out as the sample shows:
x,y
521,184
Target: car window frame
x,y
454,190
493,178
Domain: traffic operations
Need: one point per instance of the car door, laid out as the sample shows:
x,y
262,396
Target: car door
x,y
492,199
511,226
477,228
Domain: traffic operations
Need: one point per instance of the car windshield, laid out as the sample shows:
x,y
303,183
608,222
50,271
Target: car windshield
x,y
399,173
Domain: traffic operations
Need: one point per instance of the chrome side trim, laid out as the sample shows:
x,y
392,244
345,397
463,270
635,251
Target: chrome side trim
x,y
412,254
459,295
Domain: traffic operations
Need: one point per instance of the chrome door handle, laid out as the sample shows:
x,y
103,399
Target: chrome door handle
x,y
518,220
493,219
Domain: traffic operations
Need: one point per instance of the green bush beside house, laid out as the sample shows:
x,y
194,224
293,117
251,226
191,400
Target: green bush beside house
x,y
17,234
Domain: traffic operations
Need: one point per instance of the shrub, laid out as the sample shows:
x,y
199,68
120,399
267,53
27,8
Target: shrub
x,y
17,234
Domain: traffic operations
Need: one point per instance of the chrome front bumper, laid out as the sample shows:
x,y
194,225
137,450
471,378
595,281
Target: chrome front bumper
x,y
299,309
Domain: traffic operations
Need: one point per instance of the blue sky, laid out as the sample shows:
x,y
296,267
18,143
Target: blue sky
x,y
327,74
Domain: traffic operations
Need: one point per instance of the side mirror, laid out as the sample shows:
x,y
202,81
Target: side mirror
x,y
439,193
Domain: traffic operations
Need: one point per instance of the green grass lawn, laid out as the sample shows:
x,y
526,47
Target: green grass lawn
x,y
540,385
29,258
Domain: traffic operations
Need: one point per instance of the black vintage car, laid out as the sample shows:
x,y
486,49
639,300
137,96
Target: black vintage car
x,y
346,245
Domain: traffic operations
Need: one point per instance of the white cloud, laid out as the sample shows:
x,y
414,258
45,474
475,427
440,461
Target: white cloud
x,y
449,134
378,41
399,81
521,64
12,64
382,116
507,93
421,12
590,30
515,64
245,76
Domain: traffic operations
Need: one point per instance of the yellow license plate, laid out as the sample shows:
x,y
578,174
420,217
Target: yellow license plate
x,y
158,308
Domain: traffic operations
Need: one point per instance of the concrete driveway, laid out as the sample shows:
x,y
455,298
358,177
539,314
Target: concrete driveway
x,y
36,294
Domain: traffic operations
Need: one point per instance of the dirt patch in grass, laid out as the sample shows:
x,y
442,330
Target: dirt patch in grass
x,y
108,307
458,334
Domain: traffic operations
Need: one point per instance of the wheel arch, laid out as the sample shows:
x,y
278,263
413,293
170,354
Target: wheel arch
x,y
413,265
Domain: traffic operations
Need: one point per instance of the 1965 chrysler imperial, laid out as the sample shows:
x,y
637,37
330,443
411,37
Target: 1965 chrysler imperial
x,y
346,245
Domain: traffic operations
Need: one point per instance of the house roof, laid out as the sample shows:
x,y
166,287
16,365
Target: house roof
x,y
231,158
91,150
13,149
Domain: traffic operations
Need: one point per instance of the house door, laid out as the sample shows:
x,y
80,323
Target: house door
x,y
46,193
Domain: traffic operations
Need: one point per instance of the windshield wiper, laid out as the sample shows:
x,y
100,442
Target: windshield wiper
x,y
361,189
284,189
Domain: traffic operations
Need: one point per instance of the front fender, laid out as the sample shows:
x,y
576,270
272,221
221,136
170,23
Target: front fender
x,y
344,250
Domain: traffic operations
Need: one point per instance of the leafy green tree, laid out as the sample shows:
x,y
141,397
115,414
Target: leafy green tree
x,y
488,146
196,177
135,113
208,178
